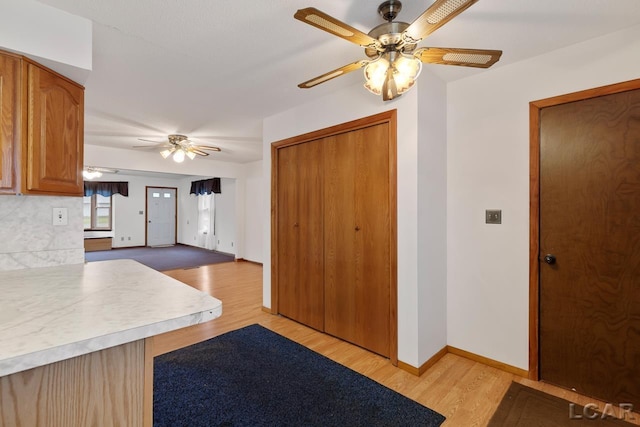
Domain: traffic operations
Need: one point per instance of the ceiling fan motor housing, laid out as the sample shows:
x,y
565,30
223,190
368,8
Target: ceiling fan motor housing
x,y
390,35
390,9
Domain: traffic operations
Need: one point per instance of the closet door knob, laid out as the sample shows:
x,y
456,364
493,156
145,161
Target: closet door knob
x,y
357,228
295,224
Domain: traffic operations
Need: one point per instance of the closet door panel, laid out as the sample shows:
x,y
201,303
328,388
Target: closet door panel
x,y
357,236
300,251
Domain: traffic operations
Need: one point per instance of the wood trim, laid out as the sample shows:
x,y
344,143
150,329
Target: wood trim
x,y
274,229
268,310
249,261
489,362
535,108
389,117
425,366
392,119
364,122
534,240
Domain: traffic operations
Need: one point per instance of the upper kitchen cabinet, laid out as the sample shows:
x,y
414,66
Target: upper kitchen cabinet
x,y
54,137
10,68
42,130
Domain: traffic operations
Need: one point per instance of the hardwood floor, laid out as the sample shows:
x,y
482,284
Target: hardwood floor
x,y
464,391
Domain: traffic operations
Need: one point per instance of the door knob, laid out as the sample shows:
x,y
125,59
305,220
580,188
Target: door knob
x,y
550,259
357,228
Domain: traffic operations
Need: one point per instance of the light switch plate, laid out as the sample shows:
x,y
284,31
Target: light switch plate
x,y
60,216
493,216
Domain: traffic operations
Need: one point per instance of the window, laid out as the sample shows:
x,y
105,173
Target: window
x,y
97,212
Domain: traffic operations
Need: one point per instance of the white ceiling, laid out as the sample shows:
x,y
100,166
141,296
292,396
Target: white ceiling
x,y
213,69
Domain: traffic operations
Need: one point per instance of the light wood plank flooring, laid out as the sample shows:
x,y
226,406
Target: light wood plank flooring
x,y
466,392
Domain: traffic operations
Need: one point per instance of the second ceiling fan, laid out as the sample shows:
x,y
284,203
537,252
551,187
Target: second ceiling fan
x,y
178,146
394,59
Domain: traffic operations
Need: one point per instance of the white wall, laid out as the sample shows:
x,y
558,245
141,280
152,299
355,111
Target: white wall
x,y
350,104
432,216
225,216
488,168
129,226
192,170
50,36
253,219
188,212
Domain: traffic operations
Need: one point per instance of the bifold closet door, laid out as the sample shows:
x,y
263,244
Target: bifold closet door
x,y
357,237
300,228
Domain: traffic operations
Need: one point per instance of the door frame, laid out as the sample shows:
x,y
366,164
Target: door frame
x,y
535,108
146,212
389,117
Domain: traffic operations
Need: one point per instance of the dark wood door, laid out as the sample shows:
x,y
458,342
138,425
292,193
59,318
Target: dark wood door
x,y
55,135
9,120
300,230
357,237
590,223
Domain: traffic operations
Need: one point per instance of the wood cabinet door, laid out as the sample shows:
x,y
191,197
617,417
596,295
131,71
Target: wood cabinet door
x,y
55,120
357,237
9,120
299,229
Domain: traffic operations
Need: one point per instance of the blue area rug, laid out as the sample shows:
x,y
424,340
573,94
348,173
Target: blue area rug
x,y
255,377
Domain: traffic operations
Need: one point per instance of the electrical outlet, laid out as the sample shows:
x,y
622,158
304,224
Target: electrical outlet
x,y
493,216
60,216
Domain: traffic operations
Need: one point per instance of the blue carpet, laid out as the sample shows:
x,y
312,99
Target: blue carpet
x,y
163,258
255,377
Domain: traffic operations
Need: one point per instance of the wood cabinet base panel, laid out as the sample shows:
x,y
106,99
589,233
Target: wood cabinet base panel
x,y
97,389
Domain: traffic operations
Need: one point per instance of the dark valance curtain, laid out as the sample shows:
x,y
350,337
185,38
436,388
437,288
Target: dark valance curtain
x,y
106,189
206,186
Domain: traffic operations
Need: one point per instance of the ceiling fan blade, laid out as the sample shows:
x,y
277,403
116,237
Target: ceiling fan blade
x,y
157,145
313,16
333,74
206,147
479,58
149,140
198,151
438,14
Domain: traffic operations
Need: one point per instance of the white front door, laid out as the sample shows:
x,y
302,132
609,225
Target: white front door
x,y
161,216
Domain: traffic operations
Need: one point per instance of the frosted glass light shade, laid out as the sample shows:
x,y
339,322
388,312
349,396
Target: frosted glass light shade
x,y
178,156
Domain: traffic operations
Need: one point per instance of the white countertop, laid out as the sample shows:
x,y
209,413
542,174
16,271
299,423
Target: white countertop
x,y
55,313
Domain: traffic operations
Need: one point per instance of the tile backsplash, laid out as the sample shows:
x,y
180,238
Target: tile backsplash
x,y
28,237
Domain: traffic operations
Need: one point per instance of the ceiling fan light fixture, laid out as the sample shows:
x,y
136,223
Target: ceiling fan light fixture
x,y
178,156
166,153
91,174
392,74
407,69
375,74
395,62
191,154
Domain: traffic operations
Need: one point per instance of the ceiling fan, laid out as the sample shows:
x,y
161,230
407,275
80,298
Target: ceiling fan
x,y
179,146
394,62
91,172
